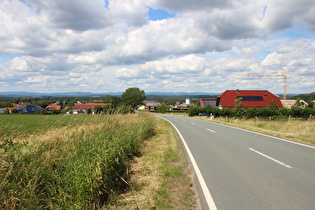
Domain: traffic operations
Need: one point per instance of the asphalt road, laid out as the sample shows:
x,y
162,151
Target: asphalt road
x,y
237,169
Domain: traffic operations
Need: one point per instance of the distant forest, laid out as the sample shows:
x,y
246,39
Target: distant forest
x,y
305,97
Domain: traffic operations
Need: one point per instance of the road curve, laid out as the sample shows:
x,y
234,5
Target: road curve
x,y
247,170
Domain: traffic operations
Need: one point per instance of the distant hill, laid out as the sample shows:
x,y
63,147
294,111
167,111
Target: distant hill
x,y
305,97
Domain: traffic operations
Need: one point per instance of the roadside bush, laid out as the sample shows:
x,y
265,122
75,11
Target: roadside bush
x,y
284,112
193,111
252,112
225,112
268,111
208,109
305,113
296,111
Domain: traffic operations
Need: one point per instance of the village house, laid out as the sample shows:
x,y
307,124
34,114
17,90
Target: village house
x,y
149,105
82,108
51,107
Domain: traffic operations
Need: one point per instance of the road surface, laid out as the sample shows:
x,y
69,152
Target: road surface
x,y
238,169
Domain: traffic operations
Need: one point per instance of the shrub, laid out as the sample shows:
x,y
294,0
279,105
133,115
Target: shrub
x,y
98,109
14,111
252,112
193,110
39,111
54,111
162,108
89,111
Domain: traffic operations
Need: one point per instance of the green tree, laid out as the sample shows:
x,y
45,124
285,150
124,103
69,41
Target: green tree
x,y
133,97
5,104
107,99
14,111
106,109
89,111
162,108
39,111
54,112
27,100
239,107
16,101
310,104
6,111
115,101
98,110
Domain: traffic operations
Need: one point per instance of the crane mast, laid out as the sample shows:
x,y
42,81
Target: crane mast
x,y
285,75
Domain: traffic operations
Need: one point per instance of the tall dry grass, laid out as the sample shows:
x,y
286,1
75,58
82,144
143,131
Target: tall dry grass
x,y
295,129
73,166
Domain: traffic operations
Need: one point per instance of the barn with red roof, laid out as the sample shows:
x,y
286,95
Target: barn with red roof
x,y
250,98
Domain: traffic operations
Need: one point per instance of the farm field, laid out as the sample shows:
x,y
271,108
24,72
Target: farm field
x,y
25,125
67,161
92,161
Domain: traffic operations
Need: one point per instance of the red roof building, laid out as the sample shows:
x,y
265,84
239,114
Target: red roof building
x,y
84,107
250,98
51,107
203,102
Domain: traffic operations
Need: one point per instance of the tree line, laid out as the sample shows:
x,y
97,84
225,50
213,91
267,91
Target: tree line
x,y
127,103
273,111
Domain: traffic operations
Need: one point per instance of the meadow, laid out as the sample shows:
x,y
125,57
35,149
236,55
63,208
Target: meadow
x,y
67,162
298,130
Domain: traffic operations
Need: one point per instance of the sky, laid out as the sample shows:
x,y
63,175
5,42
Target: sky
x,y
156,45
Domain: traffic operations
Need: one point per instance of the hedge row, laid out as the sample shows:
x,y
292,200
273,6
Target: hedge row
x,y
253,112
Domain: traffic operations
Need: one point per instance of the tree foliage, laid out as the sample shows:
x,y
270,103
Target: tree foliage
x,y
133,97
162,108
98,110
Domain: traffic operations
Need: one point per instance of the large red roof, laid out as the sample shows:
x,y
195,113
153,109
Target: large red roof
x,y
53,106
207,101
86,106
250,98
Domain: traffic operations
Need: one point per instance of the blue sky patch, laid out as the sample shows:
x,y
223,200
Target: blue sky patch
x,y
6,57
160,14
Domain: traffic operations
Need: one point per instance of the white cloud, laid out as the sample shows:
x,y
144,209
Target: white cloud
x,y
58,44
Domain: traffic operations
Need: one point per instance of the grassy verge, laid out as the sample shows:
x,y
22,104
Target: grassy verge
x,y
161,176
301,131
78,165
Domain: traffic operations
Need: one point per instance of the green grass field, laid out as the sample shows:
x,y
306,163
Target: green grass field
x,y
67,162
17,125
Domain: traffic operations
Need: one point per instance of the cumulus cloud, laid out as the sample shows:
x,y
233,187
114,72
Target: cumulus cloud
x,y
112,44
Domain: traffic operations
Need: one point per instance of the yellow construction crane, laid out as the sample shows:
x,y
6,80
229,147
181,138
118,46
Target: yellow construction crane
x,y
285,75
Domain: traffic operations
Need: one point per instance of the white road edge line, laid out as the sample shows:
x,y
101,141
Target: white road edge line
x,y
210,130
277,138
193,123
270,158
201,180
